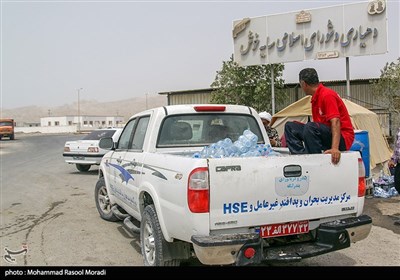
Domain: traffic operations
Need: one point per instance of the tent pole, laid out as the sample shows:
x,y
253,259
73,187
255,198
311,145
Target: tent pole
x,y
272,89
348,77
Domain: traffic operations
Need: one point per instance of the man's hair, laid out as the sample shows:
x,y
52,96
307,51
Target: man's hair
x,y
309,75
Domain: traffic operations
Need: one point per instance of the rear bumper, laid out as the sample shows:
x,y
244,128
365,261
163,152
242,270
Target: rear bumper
x,y
230,248
83,158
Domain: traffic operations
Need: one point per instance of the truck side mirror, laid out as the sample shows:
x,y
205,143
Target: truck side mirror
x,y
106,143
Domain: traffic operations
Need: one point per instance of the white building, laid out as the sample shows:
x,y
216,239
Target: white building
x,y
86,122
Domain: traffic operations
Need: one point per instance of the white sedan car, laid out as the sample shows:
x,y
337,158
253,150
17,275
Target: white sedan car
x,y
86,152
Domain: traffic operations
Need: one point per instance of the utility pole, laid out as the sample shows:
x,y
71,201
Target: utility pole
x,y
79,110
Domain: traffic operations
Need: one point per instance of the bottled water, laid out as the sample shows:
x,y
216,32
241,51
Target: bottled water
x,y
251,136
245,146
263,149
241,147
197,155
245,141
227,142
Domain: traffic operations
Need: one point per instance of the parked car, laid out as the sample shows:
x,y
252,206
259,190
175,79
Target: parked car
x,y
86,152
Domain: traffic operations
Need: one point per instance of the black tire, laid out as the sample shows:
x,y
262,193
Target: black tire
x,y
12,137
83,167
103,204
153,244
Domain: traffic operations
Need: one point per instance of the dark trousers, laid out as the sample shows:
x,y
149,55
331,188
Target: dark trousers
x,y
397,177
309,138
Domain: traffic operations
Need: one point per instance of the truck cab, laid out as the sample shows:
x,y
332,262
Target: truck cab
x,y
7,128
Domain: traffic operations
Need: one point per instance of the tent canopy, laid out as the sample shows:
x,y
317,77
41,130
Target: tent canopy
x,y
361,118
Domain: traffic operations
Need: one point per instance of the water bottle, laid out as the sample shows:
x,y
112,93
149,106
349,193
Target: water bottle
x,y
220,152
227,142
233,151
197,155
204,152
262,150
251,136
245,141
241,148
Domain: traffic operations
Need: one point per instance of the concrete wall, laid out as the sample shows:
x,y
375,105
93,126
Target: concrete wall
x,y
46,129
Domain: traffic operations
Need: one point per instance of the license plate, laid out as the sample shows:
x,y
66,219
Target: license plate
x,y
78,158
290,228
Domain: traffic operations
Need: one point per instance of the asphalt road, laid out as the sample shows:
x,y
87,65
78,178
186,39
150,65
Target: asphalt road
x,y
48,213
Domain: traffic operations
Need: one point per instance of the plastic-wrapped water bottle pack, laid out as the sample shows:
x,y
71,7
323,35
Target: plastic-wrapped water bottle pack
x,y
245,146
384,186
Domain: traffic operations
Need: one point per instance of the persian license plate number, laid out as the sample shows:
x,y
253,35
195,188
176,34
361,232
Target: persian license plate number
x,y
78,158
290,228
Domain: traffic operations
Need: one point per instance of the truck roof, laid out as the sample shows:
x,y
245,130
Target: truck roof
x,y
196,108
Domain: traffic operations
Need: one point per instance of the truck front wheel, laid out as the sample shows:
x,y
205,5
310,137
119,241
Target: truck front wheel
x,y
152,241
103,204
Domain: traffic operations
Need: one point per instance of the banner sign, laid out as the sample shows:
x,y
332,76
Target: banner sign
x,y
338,31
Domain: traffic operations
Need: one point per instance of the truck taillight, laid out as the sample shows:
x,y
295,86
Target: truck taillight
x,y
66,149
207,108
198,190
361,178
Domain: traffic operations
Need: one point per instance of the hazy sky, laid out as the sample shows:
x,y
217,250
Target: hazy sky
x,y
117,50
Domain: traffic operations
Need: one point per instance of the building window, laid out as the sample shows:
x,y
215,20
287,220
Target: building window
x,y
91,123
85,122
56,123
48,123
110,123
69,122
103,122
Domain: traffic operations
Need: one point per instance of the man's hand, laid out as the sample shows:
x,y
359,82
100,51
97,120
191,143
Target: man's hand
x,y
391,163
335,155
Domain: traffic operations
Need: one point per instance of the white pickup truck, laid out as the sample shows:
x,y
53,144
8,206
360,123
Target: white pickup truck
x,y
239,210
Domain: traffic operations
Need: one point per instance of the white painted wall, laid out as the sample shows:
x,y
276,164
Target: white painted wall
x,y
46,129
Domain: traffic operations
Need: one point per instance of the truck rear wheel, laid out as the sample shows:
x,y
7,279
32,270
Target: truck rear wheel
x,y
83,167
152,241
103,204
12,137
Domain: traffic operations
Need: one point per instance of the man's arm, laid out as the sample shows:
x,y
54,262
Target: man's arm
x,y
334,151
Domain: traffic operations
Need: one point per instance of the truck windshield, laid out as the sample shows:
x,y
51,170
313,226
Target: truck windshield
x,y
6,123
205,129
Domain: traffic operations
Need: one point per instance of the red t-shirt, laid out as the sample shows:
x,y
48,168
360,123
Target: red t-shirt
x,y
326,104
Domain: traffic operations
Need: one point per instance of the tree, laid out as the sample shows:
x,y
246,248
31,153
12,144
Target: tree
x,y
387,88
250,86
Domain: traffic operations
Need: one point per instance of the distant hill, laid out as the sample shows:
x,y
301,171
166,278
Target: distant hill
x,y
125,108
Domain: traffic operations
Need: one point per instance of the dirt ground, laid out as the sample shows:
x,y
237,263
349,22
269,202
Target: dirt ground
x,y
384,212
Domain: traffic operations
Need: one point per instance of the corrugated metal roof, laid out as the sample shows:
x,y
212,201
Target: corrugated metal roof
x,y
205,90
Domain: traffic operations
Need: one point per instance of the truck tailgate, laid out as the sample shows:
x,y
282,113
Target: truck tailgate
x,y
268,190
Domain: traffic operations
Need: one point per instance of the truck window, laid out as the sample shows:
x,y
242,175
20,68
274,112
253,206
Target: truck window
x,y
123,143
6,123
140,133
204,129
